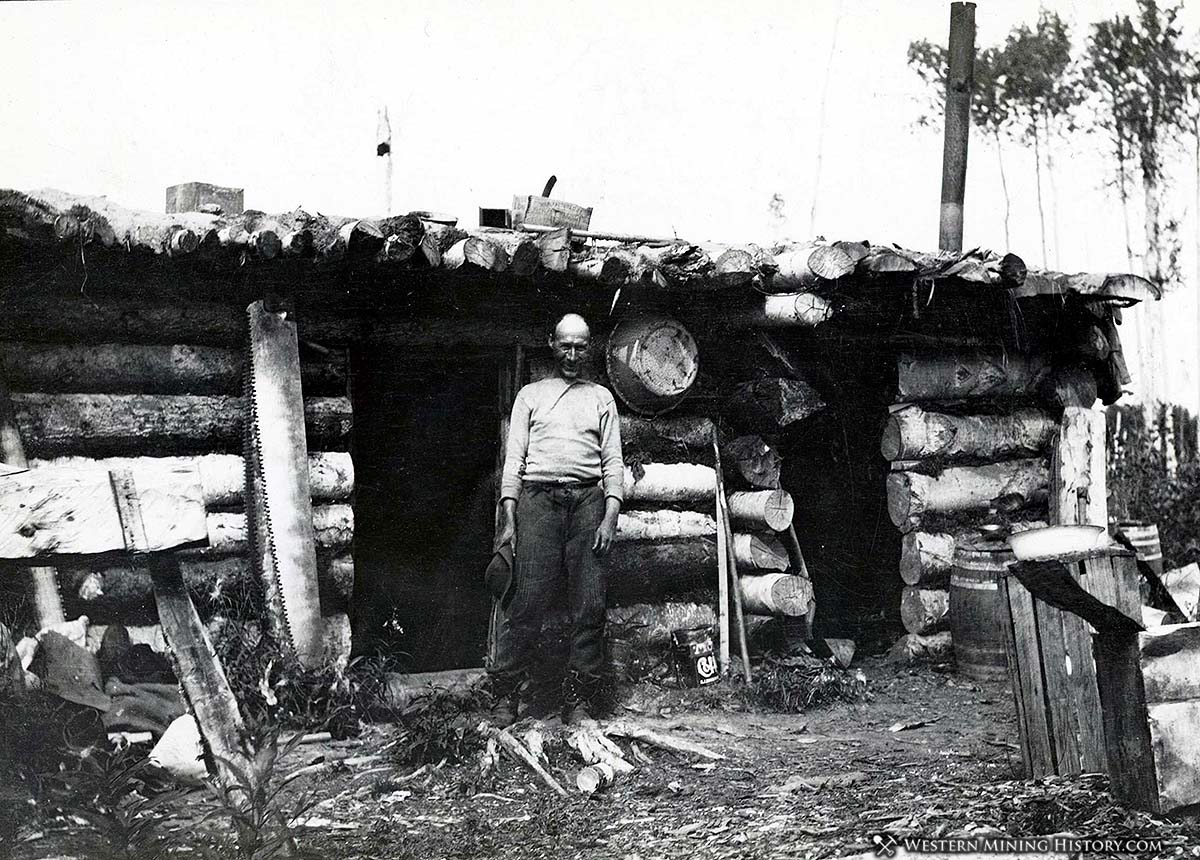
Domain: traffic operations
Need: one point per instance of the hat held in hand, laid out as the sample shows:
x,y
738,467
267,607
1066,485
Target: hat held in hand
x,y
499,574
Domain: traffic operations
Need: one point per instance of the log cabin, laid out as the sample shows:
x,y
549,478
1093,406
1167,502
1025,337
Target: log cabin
x,y
873,405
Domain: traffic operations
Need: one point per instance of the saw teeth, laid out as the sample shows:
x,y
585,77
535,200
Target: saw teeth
x,y
258,512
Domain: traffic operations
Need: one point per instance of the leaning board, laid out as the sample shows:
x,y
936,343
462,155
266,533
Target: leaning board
x,y
62,511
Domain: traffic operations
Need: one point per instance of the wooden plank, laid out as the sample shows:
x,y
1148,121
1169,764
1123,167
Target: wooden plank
x,y
1063,725
1126,731
511,372
1111,579
47,512
722,581
1081,687
1033,691
1014,668
199,671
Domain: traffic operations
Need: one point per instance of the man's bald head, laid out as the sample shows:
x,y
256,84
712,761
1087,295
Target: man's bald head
x,y
572,324
570,343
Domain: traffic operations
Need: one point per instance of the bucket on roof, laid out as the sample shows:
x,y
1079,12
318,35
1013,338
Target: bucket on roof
x,y
652,362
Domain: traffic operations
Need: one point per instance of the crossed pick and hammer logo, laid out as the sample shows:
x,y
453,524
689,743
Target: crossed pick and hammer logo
x,y
885,844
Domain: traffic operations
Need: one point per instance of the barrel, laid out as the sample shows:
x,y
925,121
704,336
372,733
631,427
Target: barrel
x,y
652,362
1144,537
975,617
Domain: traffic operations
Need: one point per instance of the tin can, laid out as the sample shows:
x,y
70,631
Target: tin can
x,y
695,657
595,777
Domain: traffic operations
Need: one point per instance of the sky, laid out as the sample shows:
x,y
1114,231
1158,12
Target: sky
x,y
668,118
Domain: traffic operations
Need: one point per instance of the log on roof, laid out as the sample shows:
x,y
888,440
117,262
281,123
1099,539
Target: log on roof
x,y
47,218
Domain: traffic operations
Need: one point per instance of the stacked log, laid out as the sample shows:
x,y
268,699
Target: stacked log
x,y
969,440
147,407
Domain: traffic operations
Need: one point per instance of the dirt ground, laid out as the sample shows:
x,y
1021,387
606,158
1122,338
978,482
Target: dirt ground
x,y
771,797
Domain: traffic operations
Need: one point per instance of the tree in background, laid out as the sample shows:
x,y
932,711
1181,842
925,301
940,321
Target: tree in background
x,y
1042,91
989,109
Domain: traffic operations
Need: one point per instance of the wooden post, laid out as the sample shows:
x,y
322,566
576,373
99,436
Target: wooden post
x,y
43,581
278,497
511,378
1078,491
726,531
722,574
959,83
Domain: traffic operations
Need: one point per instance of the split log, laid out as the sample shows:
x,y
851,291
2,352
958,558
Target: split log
x,y
669,439
784,310
68,512
554,247
593,747
774,403
519,753
637,732
1005,486
754,553
757,463
772,509
223,476
777,594
333,528
117,368
1078,491
914,434
68,423
670,483
358,239
927,558
925,610
967,376
664,525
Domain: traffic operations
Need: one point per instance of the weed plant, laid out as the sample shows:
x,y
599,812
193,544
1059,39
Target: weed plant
x,y
782,684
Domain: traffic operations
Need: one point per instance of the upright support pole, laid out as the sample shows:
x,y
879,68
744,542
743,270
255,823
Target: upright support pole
x,y
43,581
960,80
1079,494
512,377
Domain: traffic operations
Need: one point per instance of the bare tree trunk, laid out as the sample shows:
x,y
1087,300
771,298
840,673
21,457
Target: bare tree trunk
x,y
1196,228
1155,382
1037,172
1123,191
1004,187
1053,187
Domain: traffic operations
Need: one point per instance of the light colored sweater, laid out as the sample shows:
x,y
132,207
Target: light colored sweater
x,y
562,432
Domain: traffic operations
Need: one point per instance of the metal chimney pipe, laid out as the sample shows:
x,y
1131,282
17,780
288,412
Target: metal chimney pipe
x,y
960,81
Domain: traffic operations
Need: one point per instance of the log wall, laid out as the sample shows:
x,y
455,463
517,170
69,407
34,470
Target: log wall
x,y
146,406
970,439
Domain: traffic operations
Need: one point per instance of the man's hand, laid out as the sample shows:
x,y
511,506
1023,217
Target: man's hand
x,y
507,532
607,530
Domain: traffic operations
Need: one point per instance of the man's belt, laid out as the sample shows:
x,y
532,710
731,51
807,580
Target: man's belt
x,y
563,485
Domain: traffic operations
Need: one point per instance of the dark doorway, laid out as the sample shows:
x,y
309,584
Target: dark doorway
x,y
425,437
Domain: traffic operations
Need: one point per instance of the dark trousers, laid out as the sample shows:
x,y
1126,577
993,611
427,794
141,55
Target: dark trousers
x,y
556,528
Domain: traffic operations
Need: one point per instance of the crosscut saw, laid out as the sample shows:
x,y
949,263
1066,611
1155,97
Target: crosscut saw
x,y
278,499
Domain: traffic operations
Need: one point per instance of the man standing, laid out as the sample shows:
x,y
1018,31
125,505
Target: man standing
x,y
560,495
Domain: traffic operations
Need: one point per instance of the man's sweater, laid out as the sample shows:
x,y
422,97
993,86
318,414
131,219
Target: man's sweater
x,y
563,432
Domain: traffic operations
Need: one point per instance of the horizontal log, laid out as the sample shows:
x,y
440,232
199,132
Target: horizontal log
x,y
776,594
120,368
54,512
772,404
667,439
641,572
671,483
753,553
1005,486
925,610
333,528
649,625
404,690
216,583
807,264
927,558
771,509
664,525
914,434
786,310
969,375
54,424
